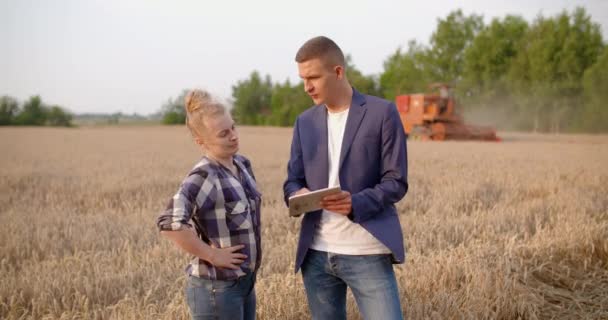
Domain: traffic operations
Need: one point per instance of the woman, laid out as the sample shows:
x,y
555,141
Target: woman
x,y
220,199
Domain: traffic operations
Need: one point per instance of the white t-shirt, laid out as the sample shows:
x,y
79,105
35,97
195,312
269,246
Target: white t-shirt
x,y
336,233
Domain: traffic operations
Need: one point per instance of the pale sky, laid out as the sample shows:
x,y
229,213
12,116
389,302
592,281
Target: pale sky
x,y
132,55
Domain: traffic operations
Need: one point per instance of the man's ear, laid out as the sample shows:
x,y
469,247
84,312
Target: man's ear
x,y
339,71
199,141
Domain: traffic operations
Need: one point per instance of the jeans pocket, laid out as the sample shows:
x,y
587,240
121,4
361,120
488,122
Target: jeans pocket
x,y
199,296
197,282
223,285
191,295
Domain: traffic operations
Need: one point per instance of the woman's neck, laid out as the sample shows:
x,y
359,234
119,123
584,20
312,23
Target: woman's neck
x,y
226,162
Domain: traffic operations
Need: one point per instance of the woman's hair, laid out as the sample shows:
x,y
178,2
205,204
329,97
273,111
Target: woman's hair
x,y
200,105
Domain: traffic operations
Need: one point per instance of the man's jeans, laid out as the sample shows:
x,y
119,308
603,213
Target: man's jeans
x,y
370,277
219,299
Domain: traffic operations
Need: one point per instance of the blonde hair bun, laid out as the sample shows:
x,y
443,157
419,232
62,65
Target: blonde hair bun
x,y
196,99
199,105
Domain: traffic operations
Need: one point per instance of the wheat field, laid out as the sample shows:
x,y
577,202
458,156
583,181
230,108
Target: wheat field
x,y
510,230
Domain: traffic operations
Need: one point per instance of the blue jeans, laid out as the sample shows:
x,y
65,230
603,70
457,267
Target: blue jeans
x,y
220,299
370,277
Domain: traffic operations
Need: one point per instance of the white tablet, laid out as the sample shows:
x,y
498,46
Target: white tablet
x,y
308,202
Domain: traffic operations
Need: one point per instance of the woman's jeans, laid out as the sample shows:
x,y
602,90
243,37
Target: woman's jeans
x,y
370,277
221,299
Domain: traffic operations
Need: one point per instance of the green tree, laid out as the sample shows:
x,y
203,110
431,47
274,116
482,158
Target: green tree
x,y
361,82
404,72
8,110
486,62
33,113
56,116
448,44
546,75
488,58
252,99
411,71
287,103
174,111
594,118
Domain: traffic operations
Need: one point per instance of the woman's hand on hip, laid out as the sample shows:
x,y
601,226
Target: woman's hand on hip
x,y
227,258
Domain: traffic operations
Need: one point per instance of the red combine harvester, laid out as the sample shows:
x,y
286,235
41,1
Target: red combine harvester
x,y
433,116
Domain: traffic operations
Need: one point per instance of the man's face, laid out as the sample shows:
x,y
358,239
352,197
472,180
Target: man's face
x,y
319,80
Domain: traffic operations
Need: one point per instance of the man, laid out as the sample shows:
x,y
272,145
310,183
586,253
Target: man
x,y
357,142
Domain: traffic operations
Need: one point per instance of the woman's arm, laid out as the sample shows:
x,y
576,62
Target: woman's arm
x,y
188,241
196,191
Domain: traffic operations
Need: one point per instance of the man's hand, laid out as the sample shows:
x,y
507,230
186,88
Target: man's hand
x,y
339,203
227,258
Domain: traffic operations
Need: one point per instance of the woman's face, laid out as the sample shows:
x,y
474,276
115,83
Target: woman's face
x,y
221,140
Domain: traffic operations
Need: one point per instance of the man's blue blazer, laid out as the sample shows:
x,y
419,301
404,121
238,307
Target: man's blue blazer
x,y
373,168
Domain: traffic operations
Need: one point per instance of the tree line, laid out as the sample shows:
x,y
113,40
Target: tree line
x,y
257,101
32,112
548,75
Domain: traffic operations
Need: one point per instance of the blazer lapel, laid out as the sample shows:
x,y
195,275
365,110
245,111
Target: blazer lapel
x,y
355,115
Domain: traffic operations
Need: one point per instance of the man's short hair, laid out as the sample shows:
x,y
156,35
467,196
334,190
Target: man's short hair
x,y
322,48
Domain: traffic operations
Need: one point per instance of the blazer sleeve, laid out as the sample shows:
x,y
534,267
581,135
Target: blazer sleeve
x,y
296,179
393,183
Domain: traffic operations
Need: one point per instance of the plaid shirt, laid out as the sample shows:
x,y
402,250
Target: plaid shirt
x,y
225,210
